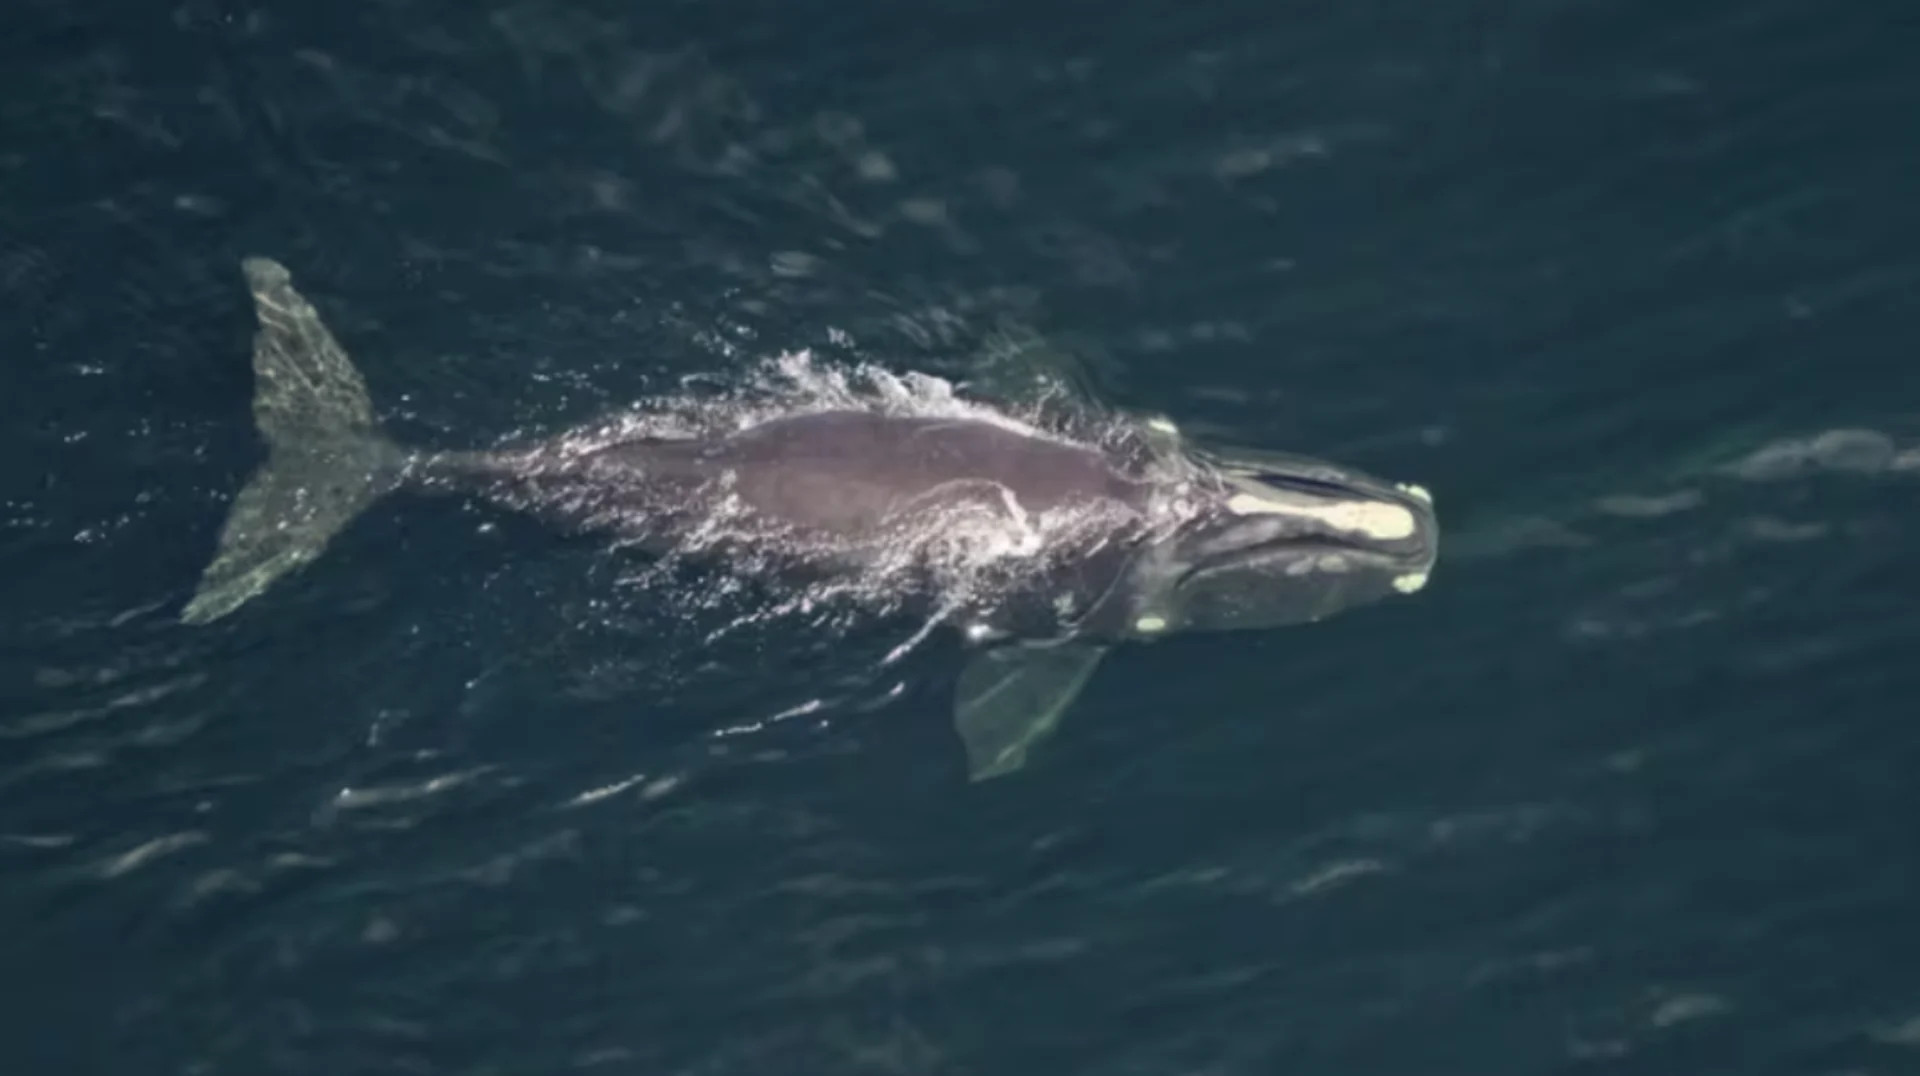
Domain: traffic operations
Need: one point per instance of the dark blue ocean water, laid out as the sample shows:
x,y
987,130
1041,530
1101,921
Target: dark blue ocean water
x,y
1631,787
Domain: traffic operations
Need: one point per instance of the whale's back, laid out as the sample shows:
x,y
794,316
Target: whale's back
x,y
853,473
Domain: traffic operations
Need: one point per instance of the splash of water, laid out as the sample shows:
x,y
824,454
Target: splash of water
x,y
796,383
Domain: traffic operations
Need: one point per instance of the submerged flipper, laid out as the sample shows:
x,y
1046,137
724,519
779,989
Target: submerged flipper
x,y
1008,699
326,459
1020,367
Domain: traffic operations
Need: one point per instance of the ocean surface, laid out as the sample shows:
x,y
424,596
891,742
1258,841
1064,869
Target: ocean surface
x,y
1632,787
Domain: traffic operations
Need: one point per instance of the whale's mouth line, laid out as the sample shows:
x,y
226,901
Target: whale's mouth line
x,y
1265,552
1320,487
1308,545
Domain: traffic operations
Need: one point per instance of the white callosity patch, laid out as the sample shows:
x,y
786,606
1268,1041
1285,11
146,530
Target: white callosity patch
x,y
1375,519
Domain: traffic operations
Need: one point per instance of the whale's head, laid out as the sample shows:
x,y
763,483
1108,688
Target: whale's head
x,y
1267,539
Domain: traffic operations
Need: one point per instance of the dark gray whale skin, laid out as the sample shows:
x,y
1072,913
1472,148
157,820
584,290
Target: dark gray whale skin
x,y
837,491
1141,536
851,475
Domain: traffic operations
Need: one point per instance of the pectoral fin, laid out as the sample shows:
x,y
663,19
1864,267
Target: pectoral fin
x,y
1019,367
1008,699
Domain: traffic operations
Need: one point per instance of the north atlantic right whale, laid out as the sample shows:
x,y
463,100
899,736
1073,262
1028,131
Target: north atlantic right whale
x,y
1044,551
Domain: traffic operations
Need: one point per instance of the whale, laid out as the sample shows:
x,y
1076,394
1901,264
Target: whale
x,y
1041,548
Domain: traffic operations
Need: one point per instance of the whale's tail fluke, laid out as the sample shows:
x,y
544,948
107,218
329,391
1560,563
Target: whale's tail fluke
x,y
326,457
